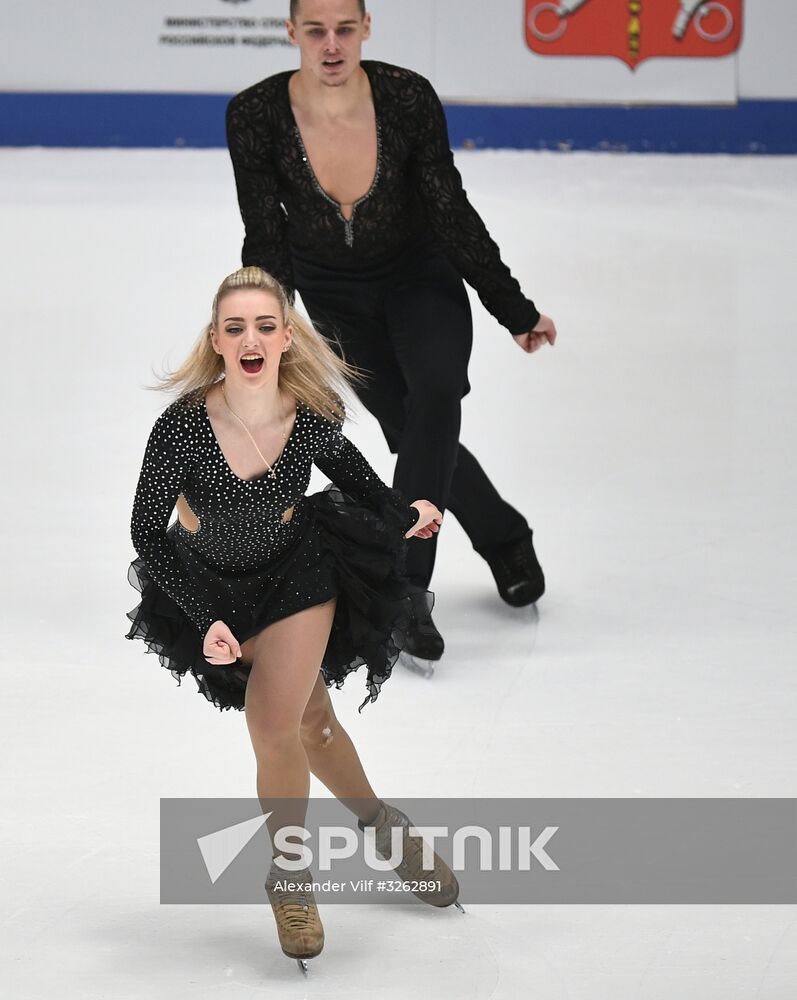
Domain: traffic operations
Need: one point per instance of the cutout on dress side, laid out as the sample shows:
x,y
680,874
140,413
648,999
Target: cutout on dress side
x,y
186,516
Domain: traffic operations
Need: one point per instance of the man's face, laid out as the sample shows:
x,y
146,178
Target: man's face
x,y
330,34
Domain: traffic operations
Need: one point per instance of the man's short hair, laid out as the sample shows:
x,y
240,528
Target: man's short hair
x,y
295,8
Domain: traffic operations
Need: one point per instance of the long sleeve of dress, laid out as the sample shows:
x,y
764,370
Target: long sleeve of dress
x,y
457,225
165,469
348,469
265,241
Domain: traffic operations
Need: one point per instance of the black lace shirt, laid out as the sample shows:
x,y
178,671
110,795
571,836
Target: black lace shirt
x,y
417,191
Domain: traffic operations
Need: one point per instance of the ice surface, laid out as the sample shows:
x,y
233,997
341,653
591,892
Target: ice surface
x,y
653,451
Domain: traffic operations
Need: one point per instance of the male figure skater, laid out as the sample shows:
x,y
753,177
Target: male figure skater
x,y
349,195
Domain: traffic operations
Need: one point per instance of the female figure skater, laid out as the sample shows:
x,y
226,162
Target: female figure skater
x,y
268,596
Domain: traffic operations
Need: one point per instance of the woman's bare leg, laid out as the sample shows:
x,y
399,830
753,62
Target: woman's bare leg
x,y
332,756
285,660
284,651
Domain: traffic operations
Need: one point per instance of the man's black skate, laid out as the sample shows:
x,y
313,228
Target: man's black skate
x,y
424,645
517,572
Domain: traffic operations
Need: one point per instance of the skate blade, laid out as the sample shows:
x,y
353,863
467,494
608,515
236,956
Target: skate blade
x,y
528,613
460,907
303,968
425,668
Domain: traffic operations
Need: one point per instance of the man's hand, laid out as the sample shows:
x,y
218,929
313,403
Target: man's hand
x,y
543,332
220,646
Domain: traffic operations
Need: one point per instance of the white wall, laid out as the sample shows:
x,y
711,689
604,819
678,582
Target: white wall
x,y
768,57
471,49
94,45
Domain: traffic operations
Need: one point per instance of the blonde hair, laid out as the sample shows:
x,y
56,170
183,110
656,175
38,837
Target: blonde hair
x,y
309,370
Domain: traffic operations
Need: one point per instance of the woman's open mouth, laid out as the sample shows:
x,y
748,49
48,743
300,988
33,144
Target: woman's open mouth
x,y
252,363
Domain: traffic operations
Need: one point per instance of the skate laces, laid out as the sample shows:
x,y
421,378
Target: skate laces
x,y
412,847
412,862
295,915
295,905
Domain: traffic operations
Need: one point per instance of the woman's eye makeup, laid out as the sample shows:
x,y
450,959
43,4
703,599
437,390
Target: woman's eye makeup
x,y
264,328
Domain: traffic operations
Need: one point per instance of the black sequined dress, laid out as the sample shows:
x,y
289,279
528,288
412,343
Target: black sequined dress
x,y
264,550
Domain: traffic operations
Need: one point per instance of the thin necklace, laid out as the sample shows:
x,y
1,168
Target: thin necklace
x,y
271,468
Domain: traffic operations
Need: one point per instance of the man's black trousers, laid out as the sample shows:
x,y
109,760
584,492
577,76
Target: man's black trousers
x,y
408,323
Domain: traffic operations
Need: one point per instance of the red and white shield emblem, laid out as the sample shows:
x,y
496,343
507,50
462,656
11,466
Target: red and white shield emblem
x,y
634,30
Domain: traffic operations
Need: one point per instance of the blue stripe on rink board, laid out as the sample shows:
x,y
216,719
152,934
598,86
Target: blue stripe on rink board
x,y
128,120
747,127
197,120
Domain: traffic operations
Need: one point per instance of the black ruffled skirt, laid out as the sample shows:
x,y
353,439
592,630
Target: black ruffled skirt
x,y
346,548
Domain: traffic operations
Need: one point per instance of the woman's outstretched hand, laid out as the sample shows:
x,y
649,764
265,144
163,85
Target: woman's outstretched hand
x,y
428,523
220,646
543,332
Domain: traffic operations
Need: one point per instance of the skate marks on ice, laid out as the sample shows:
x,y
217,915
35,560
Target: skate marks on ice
x,y
393,951
474,624
526,618
303,963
